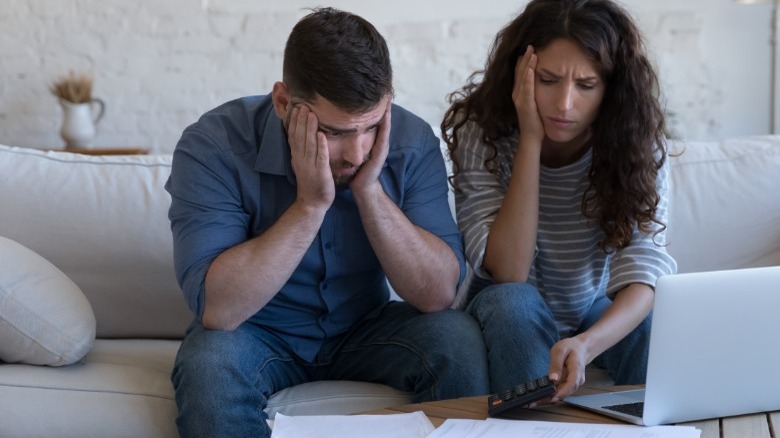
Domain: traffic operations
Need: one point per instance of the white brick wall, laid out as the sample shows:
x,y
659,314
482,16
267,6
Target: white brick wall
x,y
159,64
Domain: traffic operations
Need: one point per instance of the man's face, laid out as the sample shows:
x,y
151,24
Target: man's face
x,y
350,136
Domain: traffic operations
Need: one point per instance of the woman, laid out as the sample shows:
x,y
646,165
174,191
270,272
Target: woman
x,y
559,171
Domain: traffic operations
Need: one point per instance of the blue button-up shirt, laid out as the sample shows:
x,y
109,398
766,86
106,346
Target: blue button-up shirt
x,y
232,178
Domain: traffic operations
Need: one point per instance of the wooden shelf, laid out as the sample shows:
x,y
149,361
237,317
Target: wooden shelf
x,y
108,151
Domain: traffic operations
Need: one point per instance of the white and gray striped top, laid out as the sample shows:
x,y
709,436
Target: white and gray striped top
x,y
569,268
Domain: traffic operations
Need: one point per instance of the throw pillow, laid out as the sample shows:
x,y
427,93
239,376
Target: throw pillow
x,y
45,319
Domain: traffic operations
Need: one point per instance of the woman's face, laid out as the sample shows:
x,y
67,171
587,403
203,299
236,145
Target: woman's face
x,y
568,89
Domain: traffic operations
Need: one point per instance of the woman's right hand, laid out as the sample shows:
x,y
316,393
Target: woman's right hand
x,y
511,242
528,118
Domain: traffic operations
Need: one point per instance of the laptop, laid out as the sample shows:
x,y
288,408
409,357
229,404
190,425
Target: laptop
x,y
714,350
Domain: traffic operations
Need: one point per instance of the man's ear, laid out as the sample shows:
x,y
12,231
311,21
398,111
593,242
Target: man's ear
x,y
281,98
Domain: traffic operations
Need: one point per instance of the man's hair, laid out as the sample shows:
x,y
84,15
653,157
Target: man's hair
x,y
628,141
339,56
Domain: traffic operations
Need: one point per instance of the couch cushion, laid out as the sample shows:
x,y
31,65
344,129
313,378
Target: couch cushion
x,y
724,204
44,317
122,388
103,221
334,398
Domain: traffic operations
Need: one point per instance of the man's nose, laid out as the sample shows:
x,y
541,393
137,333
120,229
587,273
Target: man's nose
x,y
354,149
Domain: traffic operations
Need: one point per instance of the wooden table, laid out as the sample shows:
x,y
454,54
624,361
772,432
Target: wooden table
x,y
763,425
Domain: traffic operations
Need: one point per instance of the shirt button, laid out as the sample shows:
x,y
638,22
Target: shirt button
x,y
324,286
328,245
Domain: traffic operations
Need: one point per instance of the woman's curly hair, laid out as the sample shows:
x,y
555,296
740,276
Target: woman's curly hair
x,y
627,135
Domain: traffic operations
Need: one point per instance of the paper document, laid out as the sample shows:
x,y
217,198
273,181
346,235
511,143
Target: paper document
x,y
412,425
497,428
417,425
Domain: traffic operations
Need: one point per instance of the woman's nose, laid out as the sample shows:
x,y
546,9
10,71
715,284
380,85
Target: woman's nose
x,y
566,98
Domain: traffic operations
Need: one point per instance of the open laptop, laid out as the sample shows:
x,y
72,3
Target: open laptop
x,y
714,350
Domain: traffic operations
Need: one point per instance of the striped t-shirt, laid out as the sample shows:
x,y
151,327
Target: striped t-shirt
x,y
569,269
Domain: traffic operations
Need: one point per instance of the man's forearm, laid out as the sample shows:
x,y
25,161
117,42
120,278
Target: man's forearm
x,y
421,267
244,278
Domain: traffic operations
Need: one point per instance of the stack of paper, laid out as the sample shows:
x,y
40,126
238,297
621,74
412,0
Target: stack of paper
x,y
417,425
492,427
413,425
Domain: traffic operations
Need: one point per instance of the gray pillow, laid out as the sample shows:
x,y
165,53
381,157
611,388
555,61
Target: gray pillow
x,y
45,319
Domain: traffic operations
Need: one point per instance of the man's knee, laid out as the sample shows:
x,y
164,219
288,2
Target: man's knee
x,y
456,355
217,378
209,349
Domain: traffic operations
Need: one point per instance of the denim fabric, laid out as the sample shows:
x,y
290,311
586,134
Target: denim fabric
x,y
519,331
223,379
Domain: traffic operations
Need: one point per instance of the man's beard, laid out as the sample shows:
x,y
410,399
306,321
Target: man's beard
x,y
342,181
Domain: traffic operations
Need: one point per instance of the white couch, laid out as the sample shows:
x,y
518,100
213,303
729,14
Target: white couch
x,y
102,222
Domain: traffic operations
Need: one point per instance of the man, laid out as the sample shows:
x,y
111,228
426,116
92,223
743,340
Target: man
x,y
289,213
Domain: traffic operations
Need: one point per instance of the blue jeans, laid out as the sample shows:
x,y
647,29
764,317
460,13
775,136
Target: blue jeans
x,y
519,331
223,379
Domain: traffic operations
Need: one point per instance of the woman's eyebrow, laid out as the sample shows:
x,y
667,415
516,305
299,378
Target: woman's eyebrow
x,y
549,73
556,76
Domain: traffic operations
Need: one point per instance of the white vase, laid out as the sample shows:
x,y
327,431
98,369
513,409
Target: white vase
x,y
80,121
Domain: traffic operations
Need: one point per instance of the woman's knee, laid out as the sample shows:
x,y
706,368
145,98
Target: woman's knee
x,y
507,302
639,338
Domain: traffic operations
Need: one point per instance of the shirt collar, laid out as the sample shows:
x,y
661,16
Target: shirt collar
x,y
273,153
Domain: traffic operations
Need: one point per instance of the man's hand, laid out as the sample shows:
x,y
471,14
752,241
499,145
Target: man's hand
x,y
310,160
368,175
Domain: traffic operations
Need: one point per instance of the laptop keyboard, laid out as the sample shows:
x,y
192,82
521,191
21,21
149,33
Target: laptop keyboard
x,y
634,409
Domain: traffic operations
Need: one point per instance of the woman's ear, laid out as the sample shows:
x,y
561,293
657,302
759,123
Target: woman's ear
x,y
281,98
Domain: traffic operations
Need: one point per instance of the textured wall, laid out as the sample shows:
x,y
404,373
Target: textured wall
x,y
158,64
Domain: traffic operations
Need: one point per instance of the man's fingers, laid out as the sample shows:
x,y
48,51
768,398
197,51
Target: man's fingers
x,y
383,136
293,131
387,119
323,159
311,148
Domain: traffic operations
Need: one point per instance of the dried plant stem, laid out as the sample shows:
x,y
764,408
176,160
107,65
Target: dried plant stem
x,y
76,88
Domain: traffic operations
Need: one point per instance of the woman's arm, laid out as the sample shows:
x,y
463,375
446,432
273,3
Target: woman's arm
x,y
511,242
568,357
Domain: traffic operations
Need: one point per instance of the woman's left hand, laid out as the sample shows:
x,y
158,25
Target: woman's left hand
x,y
568,359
